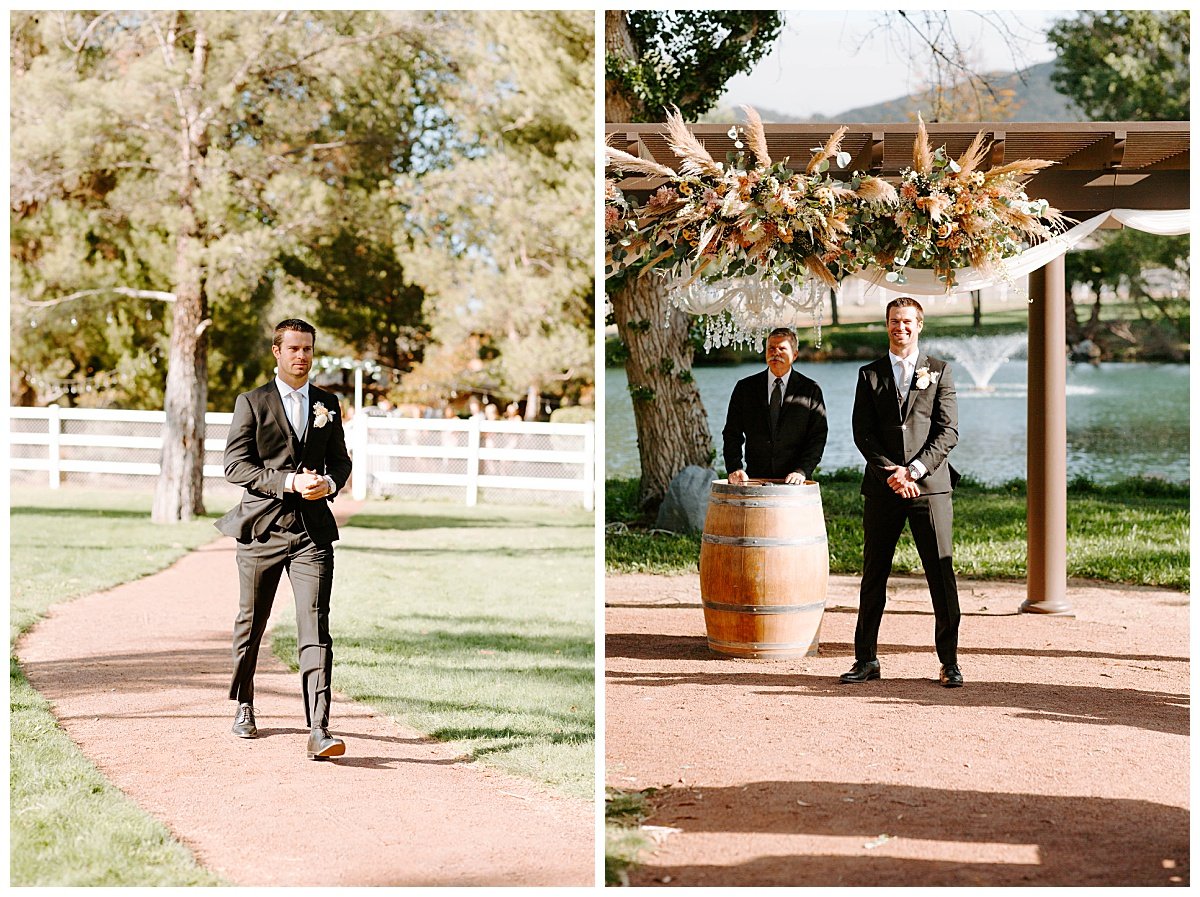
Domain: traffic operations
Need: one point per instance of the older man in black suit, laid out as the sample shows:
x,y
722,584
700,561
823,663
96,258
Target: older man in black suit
x,y
287,448
905,424
779,416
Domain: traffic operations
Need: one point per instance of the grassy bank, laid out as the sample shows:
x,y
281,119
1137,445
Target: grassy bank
x,y
67,824
624,839
1136,532
476,626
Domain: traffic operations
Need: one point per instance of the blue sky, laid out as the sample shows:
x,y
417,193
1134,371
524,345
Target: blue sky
x,y
828,62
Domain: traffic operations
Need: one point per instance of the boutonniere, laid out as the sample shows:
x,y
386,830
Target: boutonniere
x,y
321,415
926,377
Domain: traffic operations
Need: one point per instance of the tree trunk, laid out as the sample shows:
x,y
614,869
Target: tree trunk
x,y
672,427
618,106
977,309
1074,334
179,494
833,305
1093,325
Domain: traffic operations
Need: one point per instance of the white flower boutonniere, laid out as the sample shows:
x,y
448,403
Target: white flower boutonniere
x,y
926,377
321,415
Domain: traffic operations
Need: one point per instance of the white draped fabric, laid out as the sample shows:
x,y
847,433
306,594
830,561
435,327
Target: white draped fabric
x,y
922,282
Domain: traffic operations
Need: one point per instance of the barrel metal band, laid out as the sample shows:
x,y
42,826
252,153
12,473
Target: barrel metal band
x,y
762,541
765,608
766,502
762,646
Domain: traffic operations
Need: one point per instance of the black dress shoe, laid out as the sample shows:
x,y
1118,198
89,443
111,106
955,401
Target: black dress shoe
x,y
243,723
321,744
862,671
950,676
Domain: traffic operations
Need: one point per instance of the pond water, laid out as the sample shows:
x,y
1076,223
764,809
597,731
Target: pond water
x,y
1123,419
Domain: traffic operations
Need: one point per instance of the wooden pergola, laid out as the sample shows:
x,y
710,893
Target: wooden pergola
x,y
1100,166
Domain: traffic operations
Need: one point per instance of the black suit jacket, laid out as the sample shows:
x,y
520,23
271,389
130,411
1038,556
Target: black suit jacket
x,y
800,440
924,430
262,449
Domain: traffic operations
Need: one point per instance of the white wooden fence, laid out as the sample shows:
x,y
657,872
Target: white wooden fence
x,y
392,456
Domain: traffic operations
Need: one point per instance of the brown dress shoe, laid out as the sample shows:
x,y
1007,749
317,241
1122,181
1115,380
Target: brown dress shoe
x,y
243,723
322,745
950,676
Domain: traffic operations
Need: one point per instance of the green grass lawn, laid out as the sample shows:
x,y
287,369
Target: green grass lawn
x,y
624,812
1135,532
67,824
474,625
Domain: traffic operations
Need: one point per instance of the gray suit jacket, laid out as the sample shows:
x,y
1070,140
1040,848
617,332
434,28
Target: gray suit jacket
x,y
262,450
925,429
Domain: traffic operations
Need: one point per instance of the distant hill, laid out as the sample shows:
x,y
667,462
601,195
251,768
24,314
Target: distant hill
x,y
1035,99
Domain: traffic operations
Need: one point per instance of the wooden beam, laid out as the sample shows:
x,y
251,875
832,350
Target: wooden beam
x,y
996,151
870,158
1046,475
1117,155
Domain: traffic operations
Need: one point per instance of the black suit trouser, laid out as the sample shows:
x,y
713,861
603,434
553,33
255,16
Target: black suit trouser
x,y
309,566
931,519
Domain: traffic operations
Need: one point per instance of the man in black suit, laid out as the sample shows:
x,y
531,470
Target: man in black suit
x,y
779,415
905,424
287,448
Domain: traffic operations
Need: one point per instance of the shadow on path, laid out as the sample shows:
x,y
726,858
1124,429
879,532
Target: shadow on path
x,y
817,834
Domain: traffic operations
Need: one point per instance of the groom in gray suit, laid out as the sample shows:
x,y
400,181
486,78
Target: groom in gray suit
x,y
905,423
286,447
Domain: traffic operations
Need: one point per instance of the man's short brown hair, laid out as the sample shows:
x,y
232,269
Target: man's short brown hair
x,y
791,337
905,302
293,324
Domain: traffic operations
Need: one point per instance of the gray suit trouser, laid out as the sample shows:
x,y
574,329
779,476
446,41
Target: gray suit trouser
x,y
310,569
931,519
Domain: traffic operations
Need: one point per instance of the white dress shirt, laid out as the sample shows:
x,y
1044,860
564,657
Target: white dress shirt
x,y
771,383
916,468
285,393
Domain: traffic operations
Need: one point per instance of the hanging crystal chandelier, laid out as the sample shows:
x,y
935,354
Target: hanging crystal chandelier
x,y
743,310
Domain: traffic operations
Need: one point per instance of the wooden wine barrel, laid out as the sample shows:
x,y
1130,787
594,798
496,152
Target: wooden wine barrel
x,y
764,569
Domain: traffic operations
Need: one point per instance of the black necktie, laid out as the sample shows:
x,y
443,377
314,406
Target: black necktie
x,y
776,403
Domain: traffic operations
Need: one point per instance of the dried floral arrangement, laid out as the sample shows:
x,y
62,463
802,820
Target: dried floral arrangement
x,y
746,216
752,216
953,215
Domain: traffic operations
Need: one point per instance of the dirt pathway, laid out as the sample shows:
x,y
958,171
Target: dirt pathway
x,y
1064,760
138,677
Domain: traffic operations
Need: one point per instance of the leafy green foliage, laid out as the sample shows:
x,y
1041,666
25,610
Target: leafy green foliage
x,y
363,295
308,188
502,239
1125,64
685,57
304,115
1129,260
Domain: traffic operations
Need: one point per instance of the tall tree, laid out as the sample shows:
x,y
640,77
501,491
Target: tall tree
x,y
1132,261
208,143
655,58
1126,64
501,240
